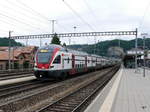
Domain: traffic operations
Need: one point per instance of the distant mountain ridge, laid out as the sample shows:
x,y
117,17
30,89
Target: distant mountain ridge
x,y
5,42
102,47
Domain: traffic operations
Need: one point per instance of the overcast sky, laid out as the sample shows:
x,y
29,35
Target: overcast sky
x,y
25,17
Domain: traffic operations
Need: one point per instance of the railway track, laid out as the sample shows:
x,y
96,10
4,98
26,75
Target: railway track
x,y
11,92
14,90
76,100
27,98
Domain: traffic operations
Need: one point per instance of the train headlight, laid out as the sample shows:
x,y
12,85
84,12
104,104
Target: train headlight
x,y
35,64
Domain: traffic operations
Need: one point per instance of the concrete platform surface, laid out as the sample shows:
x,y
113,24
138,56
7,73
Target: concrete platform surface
x,y
12,81
129,92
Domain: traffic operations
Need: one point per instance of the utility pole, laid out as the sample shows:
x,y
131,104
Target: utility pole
x,y
98,48
119,42
27,42
9,50
144,35
13,58
53,25
136,50
95,45
40,41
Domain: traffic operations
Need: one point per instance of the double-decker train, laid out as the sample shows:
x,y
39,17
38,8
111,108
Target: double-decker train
x,y
55,61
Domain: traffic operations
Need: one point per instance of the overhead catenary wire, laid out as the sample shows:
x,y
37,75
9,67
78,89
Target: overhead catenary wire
x,y
24,7
94,16
143,17
12,18
2,30
85,22
42,16
63,27
22,19
13,24
91,11
24,14
31,25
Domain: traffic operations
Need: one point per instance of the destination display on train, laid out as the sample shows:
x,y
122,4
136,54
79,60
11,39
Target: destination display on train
x,y
43,50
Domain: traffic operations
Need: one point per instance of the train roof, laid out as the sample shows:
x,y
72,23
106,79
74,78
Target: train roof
x,y
52,46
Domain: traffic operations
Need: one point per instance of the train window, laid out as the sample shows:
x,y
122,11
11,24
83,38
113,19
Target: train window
x,y
57,60
44,57
1,67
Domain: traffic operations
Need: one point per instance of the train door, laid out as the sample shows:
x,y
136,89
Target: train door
x,y
73,61
57,63
86,62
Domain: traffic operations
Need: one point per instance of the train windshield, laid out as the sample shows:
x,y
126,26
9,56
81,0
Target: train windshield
x,y
44,57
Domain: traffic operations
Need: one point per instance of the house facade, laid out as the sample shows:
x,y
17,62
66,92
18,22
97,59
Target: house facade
x,y
20,57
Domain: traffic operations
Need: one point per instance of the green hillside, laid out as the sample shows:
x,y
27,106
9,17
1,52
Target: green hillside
x,y
102,47
5,42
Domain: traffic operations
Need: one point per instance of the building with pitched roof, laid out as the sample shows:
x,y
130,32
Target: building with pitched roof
x,y
20,57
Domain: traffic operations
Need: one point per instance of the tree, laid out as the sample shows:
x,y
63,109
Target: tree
x,y
64,45
5,42
55,40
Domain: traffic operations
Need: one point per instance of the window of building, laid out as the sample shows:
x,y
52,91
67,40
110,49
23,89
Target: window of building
x,y
1,67
57,60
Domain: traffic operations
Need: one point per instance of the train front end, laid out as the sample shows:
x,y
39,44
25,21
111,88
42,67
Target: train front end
x,y
44,62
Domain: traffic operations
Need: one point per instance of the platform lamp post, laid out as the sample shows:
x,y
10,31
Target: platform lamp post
x,y
136,46
144,35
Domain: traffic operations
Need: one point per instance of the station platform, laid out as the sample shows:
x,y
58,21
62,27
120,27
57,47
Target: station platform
x,y
17,80
128,91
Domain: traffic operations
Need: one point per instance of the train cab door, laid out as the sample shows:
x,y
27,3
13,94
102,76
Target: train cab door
x,y
57,63
73,61
86,61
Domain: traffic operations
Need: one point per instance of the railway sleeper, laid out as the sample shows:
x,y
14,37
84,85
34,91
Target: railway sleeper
x,y
67,105
63,107
72,103
73,100
56,110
